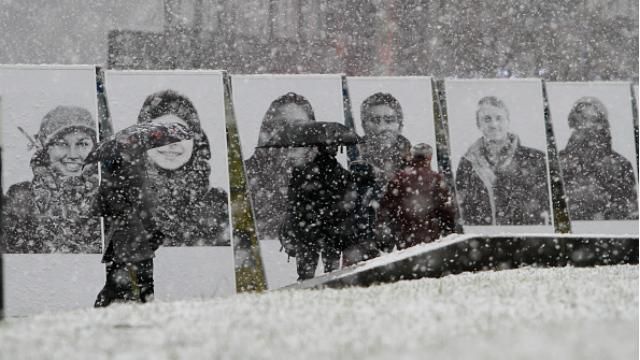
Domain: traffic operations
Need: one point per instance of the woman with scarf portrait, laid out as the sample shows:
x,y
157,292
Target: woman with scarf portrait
x,y
52,212
499,181
185,208
599,182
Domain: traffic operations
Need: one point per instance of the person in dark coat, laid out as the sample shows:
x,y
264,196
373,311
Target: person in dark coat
x,y
187,210
131,235
385,150
418,201
364,244
269,169
599,182
320,202
52,212
499,181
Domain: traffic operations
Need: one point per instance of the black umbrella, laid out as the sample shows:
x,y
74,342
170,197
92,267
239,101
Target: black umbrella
x,y
312,133
138,138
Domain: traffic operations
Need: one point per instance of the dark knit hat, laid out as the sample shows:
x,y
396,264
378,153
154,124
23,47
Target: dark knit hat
x,y
169,102
62,119
421,151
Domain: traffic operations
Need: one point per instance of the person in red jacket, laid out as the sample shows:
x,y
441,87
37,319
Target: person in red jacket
x,y
417,200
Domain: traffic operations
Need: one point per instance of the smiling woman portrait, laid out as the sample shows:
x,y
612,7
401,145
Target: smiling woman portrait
x,y
186,209
51,213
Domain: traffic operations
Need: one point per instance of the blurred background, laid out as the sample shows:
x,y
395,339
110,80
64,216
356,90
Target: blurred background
x,y
552,39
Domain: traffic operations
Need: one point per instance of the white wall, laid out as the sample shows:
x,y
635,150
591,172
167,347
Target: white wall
x,y
36,283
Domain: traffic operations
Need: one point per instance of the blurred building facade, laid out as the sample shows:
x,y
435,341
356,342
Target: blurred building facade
x,y
552,39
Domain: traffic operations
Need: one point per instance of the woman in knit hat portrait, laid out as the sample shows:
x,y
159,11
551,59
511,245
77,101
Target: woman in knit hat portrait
x,y
188,211
51,213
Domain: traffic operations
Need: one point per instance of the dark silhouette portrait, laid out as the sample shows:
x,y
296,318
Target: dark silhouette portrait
x,y
186,209
499,181
269,169
52,212
383,146
599,182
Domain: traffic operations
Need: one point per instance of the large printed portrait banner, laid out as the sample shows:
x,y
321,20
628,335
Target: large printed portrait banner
x,y
392,114
189,179
594,132
498,155
264,105
49,126
635,115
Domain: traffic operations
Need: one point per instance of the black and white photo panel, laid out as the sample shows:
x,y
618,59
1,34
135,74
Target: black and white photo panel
x,y
594,132
392,114
49,126
264,106
498,155
189,179
635,96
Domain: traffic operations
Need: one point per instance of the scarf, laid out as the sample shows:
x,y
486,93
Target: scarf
x,y
61,210
487,170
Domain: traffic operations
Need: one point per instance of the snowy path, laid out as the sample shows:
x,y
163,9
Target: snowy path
x,y
563,313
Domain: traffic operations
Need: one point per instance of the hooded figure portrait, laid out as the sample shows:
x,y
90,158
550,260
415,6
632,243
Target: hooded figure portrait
x,y
599,182
185,208
52,212
269,169
499,181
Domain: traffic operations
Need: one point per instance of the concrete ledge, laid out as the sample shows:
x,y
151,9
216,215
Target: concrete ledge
x,y
471,253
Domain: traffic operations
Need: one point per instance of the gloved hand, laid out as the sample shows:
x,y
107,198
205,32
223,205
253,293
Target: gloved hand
x,y
157,238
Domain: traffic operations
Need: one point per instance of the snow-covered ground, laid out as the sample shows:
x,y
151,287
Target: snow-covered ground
x,y
561,313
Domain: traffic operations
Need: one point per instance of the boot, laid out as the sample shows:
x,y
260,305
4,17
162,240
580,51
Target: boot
x,y
117,286
143,280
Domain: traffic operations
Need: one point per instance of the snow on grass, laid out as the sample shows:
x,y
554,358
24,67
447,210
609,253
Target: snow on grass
x,y
580,313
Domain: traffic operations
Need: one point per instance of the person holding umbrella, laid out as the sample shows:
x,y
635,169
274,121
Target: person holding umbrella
x,y
131,234
320,198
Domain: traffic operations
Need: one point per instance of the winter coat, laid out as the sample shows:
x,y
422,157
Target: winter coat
x,y
267,181
599,182
514,191
131,235
367,198
418,201
51,213
385,158
321,202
